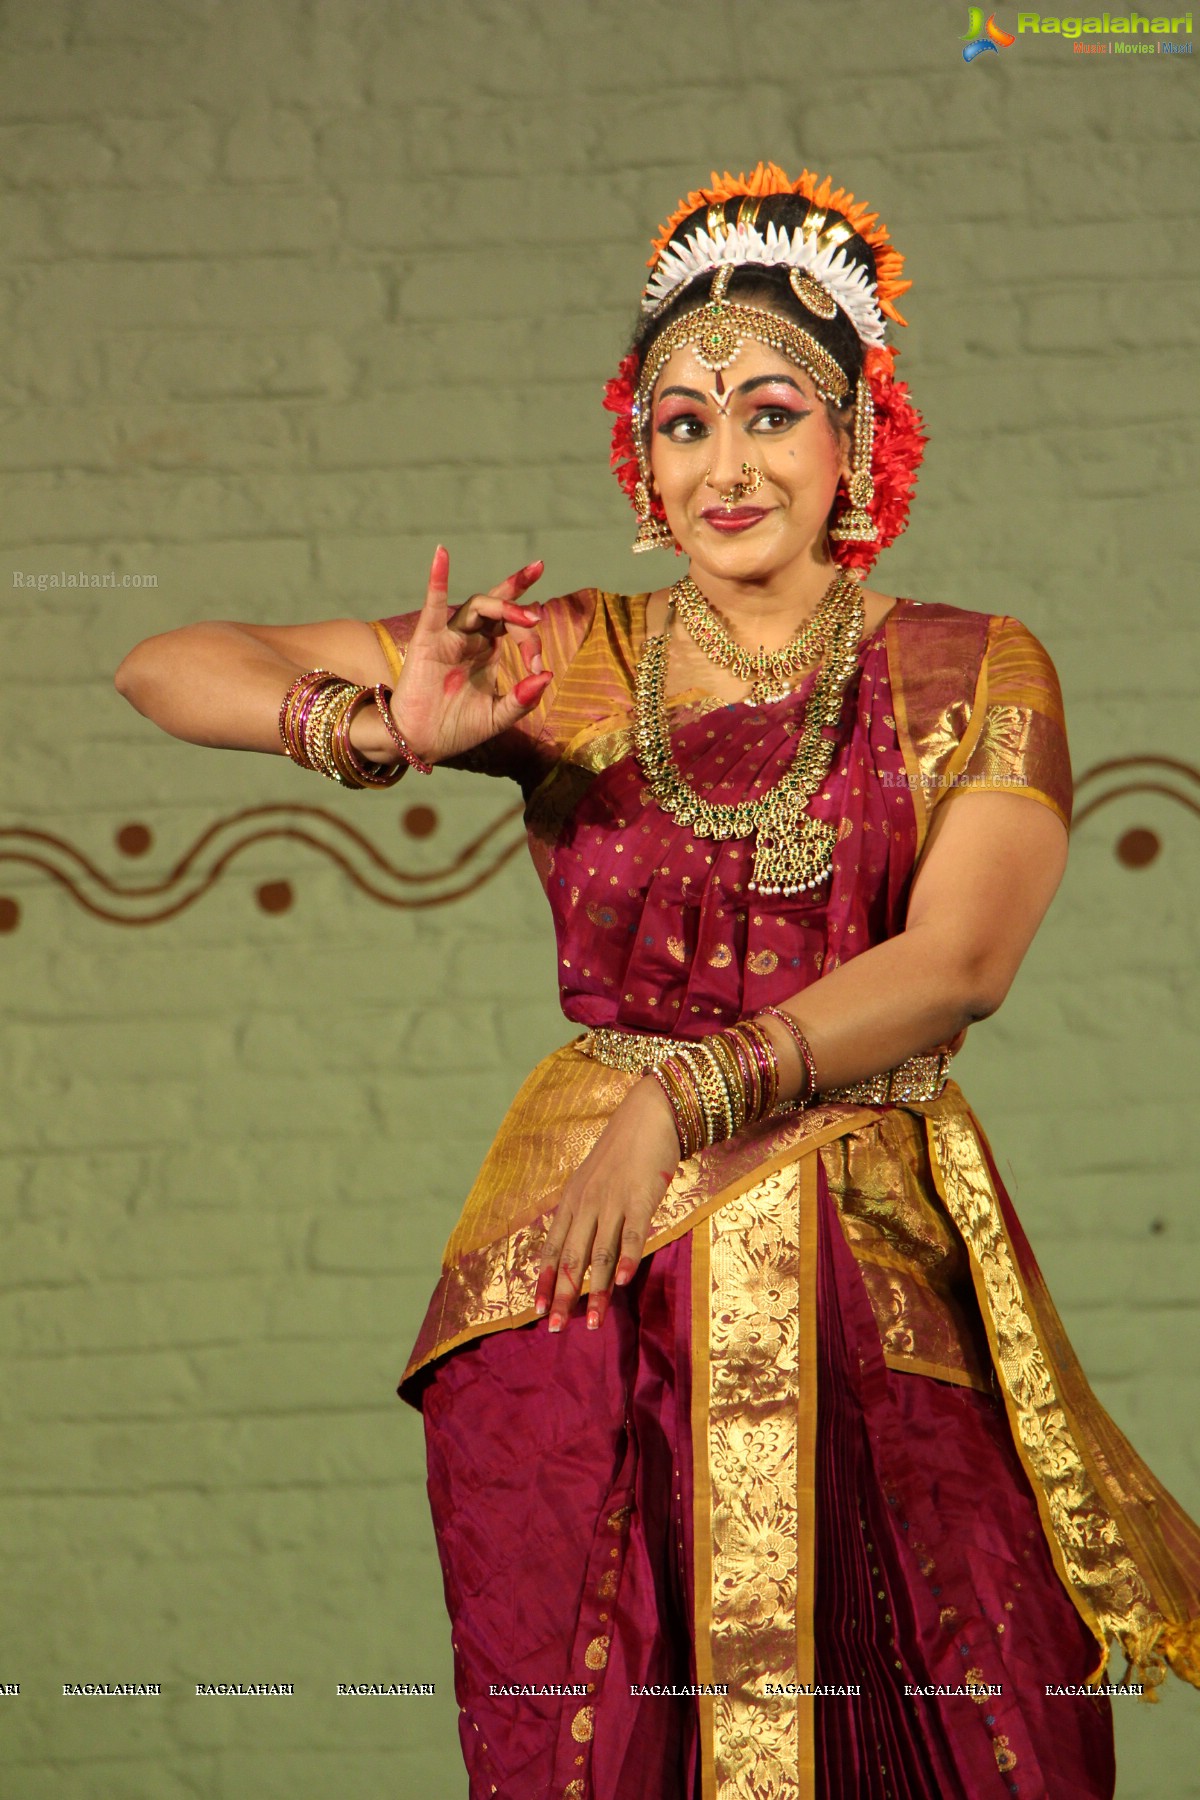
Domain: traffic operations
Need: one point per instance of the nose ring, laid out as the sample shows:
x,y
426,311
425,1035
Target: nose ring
x,y
742,489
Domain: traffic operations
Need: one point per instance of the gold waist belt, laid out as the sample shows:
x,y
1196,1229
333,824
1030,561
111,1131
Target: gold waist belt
x,y
916,1078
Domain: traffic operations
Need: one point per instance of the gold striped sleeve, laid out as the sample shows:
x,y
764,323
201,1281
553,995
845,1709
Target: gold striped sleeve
x,y
1021,747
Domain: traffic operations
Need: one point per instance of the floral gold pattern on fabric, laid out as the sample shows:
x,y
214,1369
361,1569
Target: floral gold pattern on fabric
x,y
1101,1573
753,1397
1020,752
583,1724
913,1263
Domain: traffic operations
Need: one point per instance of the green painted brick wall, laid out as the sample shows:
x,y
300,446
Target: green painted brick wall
x,y
292,289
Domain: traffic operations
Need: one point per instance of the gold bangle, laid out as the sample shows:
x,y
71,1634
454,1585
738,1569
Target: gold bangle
x,y
723,1052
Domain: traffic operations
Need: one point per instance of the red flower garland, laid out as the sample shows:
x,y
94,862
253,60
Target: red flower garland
x,y
618,398
897,452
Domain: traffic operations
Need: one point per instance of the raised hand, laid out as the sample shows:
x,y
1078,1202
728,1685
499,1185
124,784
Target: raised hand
x,y
447,699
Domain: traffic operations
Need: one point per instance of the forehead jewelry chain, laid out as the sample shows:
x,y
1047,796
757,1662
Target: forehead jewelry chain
x,y
792,851
771,671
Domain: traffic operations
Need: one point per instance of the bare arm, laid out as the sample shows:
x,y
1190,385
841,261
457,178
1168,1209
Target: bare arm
x,y
222,684
990,870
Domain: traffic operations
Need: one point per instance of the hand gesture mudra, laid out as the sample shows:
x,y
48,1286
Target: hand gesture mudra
x,y
447,698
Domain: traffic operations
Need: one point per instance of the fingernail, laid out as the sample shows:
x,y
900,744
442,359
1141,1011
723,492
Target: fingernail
x,y
593,1320
556,1323
540,1307
535,665
530,567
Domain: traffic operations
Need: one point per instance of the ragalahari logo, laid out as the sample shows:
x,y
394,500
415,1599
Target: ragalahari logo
x,y
983,37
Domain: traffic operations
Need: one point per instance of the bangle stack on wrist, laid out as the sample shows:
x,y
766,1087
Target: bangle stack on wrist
x,y
719,1084
314,723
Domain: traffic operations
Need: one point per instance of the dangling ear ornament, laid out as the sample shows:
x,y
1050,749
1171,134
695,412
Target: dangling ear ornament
x,y
652,533
855,525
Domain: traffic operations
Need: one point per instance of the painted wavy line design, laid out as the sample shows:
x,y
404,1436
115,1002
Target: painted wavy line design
x,y
219,846
464,871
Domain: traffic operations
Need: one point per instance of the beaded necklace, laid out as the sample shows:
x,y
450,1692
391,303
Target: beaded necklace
x,y
792,852
770,670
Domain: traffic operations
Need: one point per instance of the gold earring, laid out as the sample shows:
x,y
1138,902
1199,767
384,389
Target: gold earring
x,y
854,525
652,533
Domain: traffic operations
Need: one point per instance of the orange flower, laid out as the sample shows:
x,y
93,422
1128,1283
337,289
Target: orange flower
x,y
769,178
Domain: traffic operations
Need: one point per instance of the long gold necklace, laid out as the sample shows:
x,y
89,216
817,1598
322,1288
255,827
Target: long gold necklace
x,y
771,671
792,852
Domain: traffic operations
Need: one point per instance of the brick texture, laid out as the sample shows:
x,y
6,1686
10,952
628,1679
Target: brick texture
x,y
289,293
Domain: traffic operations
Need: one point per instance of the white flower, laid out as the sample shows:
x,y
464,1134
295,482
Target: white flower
x,y
700,252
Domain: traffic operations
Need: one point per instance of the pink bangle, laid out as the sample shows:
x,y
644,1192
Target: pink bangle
x,y
802,1044
394,732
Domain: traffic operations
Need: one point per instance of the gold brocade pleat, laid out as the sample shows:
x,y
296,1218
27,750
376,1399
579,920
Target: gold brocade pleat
x,y
754,1426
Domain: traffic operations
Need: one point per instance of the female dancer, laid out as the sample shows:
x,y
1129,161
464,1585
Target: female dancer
x,y
759,1460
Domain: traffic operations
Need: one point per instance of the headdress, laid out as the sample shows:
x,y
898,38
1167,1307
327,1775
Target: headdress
x,y
839,260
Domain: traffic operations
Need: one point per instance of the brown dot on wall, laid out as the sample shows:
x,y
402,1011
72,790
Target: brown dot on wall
x,y
134,840
10,913
420,821
1138,847
275,896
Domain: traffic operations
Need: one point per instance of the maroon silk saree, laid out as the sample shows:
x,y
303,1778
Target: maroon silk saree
x,y
828,1506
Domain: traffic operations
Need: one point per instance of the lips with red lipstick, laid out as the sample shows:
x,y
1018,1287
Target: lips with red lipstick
x,y
734,518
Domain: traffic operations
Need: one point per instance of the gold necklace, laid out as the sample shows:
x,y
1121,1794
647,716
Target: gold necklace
x,y
792,852
771,671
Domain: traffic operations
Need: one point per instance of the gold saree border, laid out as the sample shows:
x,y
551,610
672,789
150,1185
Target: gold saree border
x,y
754,1424
1083,1533
936,728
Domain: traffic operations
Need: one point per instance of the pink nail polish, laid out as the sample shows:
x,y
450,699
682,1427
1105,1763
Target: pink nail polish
x,y
556,1323
593,1321
540,1308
